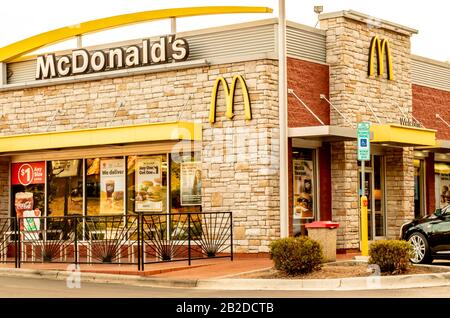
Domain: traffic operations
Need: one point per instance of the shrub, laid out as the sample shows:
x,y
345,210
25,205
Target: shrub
x,y
391,255
299,255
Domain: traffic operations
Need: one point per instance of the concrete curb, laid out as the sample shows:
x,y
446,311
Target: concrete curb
x,y
350,283
228,283
87,277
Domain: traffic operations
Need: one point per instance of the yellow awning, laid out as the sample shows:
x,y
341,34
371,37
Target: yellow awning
x,y
441,168
102,136
405,136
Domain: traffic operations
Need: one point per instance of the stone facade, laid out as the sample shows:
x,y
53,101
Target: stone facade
x,y
351,91
239,157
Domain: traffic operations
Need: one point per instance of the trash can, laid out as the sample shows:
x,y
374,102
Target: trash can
x,y
324,232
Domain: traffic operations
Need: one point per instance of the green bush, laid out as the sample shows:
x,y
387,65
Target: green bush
x,y
299,255
391,255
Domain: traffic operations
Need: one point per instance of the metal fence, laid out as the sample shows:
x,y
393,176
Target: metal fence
x,y
138,239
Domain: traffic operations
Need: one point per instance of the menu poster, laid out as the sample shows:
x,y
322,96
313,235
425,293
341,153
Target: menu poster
x,y
26,173
191,183
303,196
112,186
149,190
444,194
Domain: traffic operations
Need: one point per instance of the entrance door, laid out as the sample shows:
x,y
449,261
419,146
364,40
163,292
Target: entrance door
x,y
374,190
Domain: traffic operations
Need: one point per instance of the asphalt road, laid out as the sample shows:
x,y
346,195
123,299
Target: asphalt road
x,y
13,287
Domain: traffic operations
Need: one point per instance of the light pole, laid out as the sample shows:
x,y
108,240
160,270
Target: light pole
x,y
282,93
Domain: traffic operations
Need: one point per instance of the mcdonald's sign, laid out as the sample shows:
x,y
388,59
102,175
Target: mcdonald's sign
x,y
381,47
229,97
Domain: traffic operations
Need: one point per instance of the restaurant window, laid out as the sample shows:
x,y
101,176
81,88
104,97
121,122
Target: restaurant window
x,y
65,187
186,183
28,189
147,183
105,186
442,184
304,194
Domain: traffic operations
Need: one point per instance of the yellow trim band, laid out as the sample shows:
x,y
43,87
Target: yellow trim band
x,y
403,135
102,136
17,49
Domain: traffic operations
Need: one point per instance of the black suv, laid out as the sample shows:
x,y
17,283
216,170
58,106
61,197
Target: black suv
x,y
429,236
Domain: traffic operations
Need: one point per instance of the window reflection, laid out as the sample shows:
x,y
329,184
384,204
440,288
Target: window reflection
x,y
65,187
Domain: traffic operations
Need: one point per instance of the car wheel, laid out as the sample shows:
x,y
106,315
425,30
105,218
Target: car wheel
x,y
421,251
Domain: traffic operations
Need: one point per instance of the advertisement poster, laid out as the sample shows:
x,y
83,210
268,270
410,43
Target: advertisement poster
x,y
191,183
303,195
149,190
65,168
26,173
31,224
112,186
444,193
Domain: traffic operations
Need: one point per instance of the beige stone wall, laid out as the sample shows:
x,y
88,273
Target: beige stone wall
x,y
351,89
347,44
240,158
399,189
344,186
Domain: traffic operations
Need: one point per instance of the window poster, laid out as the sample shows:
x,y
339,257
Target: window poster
x,y
191,183
112,186
28,180
444,191
303,195
149,189
65,168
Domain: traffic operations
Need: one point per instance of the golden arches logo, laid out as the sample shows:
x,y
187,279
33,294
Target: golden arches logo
x,y
229,97
382,48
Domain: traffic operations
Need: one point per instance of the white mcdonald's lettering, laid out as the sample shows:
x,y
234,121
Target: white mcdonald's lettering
x,y
229,97
166,49
381,47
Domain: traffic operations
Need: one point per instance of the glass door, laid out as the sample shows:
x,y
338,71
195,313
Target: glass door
x,y
379,215
368,193
374,190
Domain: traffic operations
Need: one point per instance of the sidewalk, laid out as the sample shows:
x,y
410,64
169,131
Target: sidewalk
x,y
200,269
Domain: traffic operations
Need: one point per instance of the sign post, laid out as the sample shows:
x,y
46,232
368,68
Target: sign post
x,y
363,136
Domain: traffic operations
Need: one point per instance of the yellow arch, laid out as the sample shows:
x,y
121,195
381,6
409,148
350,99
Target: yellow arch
x,y
17,49
229,97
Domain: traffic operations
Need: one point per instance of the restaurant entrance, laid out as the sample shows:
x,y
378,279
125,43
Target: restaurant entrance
x,y
374,190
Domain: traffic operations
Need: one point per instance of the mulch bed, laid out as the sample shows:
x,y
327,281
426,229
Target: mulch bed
x,y
336,271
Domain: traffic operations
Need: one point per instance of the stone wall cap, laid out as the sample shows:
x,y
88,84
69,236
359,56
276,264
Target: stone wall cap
x,y
354,15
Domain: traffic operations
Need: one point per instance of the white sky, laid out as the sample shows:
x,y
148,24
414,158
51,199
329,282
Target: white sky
x,y
20,19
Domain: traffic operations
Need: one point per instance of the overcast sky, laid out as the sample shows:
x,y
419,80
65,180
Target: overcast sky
x,y
20,19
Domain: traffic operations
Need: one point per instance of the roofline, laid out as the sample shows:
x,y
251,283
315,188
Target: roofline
x,y
361,17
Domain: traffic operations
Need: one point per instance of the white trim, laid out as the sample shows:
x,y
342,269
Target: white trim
x,y
304,27
3,74
306,143
107,74
106,151
323,131
361,17
430,61
307,60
